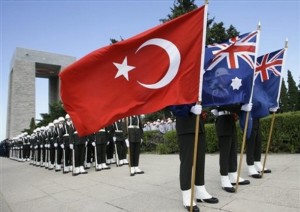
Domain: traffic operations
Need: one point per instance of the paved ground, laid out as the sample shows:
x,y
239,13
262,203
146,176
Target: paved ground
x,y
26,188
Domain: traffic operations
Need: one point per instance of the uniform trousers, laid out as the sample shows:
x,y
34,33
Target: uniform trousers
x,y
186,146
121,149
79,154
101,153
134,153
253,151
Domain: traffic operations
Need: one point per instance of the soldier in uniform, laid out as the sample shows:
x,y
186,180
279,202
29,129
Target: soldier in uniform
x,y
185,129
100,143
253,151
79,150
67,142
52,139
110,149
119,138
89,151
227,137
26,147
135,135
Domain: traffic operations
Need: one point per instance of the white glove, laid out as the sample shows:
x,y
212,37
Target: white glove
x,y
127,142
62,146
214,112
142,140
196,109
30,146
35,147
107,143
273,109
115,138
93,143
86,143
55,145
247,107
41,146
71,146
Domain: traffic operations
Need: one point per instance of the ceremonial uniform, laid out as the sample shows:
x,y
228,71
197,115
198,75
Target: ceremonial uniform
x,y
100,143
253,151
110,148
119,137
227,137
185,129
135,135
79,150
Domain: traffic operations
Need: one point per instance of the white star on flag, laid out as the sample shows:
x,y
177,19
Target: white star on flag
x,y
123,69
236,83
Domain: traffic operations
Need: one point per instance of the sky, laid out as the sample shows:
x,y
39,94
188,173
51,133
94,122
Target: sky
x,y
76,28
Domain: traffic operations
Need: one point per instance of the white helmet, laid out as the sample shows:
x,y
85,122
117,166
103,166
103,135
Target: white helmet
x,y
61,119
67,116
51,124
55,121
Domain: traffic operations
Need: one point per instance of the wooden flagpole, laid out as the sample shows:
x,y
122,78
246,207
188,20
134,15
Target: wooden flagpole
x,y
247,115
268,144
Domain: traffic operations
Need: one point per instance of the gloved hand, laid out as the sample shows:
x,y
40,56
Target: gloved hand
x,y
71,146
55,145
65,135
86,143
127,142
114,138
196,109
36,147
273,109
142,140
107,143
62,146
93,143
247,107
214,112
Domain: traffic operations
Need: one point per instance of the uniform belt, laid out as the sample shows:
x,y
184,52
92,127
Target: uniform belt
x,y
133,126
102,130
221,113
118,130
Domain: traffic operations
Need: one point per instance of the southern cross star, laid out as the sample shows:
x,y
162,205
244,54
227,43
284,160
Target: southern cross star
x,y
236,83
123,69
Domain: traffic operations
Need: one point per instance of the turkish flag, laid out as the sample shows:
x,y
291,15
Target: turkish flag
x,y
140,75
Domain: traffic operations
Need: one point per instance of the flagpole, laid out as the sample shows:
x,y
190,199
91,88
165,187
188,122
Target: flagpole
x,y
201,70
273,115
247,115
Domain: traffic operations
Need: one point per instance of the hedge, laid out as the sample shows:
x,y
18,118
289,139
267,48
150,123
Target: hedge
x,y
285,137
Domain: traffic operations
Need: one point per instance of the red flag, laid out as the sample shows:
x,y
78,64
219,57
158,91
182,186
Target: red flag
x,y
140,75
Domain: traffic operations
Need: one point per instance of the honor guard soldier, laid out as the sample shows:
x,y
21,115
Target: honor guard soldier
x,y
26,147
186,129
119,139
59,132
79,150
135,135
89,149
52,140
227,137
100,143
42,145
110,149
68,143
46,147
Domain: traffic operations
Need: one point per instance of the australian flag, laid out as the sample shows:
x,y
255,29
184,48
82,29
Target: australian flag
x,y
229,71
266,89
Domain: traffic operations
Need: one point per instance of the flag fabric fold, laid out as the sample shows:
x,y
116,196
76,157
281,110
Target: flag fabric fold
x,y
140,75
229,70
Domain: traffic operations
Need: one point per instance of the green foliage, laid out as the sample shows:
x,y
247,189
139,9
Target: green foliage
x,y
285,136
56,111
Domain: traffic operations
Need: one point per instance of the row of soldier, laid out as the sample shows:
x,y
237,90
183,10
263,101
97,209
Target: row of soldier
x,y
59,147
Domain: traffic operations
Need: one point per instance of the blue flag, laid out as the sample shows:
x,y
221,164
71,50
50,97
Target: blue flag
x,y
229,71
266,89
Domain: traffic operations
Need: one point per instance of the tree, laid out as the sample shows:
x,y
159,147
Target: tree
x,y
56,111
283,102
31,127
292,92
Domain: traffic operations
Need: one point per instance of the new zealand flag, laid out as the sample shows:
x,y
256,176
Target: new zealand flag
x,y
229,71
267,83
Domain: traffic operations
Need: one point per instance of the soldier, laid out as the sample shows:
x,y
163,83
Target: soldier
x,y
58,132
135,135
89,149
52,141
100,143
79,150
67,143
185,129
26,147
119,139
227,136
110,149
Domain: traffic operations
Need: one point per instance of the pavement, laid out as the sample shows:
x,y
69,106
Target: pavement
x,y
27,188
